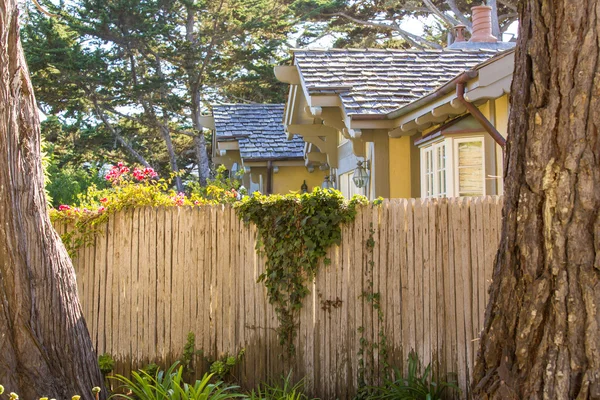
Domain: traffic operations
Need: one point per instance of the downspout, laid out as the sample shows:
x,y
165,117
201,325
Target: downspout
x,y
269,177
474,111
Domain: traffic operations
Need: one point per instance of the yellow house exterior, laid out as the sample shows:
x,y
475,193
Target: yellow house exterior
x,y
360,105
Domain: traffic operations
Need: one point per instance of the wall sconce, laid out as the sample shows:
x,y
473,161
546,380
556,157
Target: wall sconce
x,y
327,183
275,169
235,171
361,175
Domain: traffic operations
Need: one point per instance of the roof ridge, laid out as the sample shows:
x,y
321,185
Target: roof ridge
x,y
375,50
248,104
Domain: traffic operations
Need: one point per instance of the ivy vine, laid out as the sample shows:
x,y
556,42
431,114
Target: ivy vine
x,y
294,233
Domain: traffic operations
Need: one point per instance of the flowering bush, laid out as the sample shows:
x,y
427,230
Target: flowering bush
x,y
134,188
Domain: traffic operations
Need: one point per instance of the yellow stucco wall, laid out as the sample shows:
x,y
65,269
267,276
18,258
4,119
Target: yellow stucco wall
x,y
291,178
502,114
400,167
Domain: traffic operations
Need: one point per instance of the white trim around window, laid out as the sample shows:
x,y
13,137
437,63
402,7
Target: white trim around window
x,y
452,167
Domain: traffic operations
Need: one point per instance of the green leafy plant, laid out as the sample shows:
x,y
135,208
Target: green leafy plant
x,y
188,357
169,385
222,188
413,386
283,390
223,367
295,232
106,363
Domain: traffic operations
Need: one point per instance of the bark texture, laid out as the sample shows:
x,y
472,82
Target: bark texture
x,y
45,348
542,336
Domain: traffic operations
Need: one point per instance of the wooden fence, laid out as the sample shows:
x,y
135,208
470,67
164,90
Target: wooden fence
x,y
156,274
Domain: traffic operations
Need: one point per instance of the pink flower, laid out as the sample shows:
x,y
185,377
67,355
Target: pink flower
x,y
120,164
101,209
63,207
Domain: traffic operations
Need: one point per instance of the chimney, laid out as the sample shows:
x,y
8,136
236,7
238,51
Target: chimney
x,y
482,25
460,33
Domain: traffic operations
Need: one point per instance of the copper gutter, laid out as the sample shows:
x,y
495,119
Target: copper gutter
x,y
474,111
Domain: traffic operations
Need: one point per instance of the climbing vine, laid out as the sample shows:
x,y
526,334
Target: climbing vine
x,y
295,231
367,348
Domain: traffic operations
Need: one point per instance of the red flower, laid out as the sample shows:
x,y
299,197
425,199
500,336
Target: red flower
x,y
63,207
103,200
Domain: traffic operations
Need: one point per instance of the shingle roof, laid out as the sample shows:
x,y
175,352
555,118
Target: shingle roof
x,y
378,81
259,130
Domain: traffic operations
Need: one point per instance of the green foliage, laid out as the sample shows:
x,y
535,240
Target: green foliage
x,y
188,357
283,390
379,24
413,386
151,369
170,385
222,189
129,189
141,72
223,367
106,363
295,231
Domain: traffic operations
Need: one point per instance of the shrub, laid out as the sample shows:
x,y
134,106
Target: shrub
x,y
169,385
413,386
283,390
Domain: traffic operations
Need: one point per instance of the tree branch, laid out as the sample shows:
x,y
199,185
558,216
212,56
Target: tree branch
x,y
413,39
464,20
448,21
116,134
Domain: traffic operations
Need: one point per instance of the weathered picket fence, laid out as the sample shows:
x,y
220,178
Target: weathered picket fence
x,y
154,275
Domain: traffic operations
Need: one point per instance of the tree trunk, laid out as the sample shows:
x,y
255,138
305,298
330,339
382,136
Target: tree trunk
x,y
194,77
166,134
542,336
199,140
45,348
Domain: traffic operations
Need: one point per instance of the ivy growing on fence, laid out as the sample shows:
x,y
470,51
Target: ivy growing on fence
x,y
295,231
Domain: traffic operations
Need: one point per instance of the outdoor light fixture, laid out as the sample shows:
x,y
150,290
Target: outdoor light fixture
x,y
361,176
326,183
234,171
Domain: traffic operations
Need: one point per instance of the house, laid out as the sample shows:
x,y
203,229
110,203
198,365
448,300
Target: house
x,y
390,113
250,141
459,130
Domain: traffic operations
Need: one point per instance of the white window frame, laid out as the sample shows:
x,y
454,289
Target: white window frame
x,y
451,166
430,169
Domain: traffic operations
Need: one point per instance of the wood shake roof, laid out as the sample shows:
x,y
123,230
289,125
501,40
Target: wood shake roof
x,y
373,81
258,129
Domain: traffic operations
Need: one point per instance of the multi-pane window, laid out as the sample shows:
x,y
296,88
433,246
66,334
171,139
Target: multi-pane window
x,y
434,170
440,169
453,167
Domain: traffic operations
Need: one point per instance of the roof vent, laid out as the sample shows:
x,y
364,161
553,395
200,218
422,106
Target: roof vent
x,y
482,25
